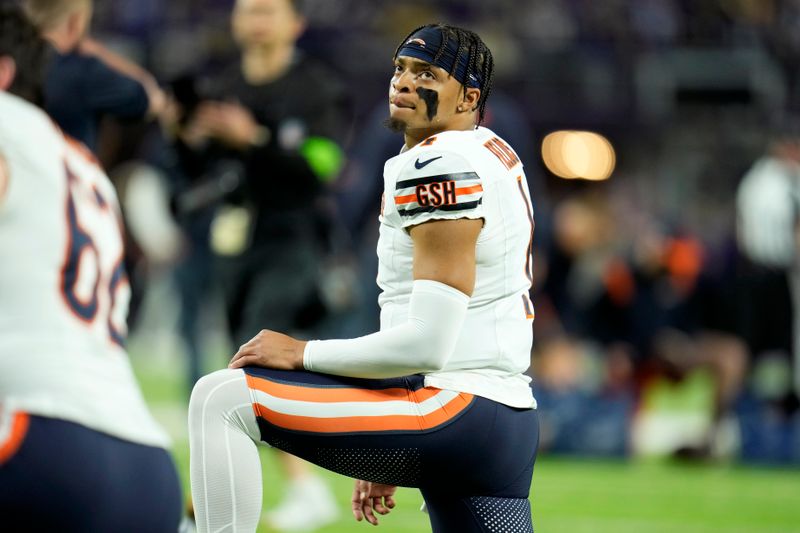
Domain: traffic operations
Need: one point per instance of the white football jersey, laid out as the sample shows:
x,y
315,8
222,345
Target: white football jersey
x,y
467,174
63,290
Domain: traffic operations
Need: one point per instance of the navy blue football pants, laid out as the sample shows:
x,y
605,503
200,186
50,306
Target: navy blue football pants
x,y
63,477
472,458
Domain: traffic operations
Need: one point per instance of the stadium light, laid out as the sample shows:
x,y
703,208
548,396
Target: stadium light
x,y
573,154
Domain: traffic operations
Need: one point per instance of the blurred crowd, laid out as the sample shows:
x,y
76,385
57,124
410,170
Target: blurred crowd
x,y
665,320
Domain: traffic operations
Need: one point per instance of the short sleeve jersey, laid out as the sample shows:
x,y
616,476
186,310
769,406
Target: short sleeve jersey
x,y
64,291
475,175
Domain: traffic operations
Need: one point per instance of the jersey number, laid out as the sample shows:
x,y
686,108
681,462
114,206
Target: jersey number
x,y
81,274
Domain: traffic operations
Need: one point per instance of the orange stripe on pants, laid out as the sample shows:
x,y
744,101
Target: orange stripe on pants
x,y
19,428
352,424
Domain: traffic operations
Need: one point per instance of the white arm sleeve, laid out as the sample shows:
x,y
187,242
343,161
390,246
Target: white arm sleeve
x,y
422,344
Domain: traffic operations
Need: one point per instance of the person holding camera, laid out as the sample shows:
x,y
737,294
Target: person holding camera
x,y
258,143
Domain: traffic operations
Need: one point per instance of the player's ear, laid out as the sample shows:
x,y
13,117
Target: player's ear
x,y
298,23
471,98
77,24
8,71
299,26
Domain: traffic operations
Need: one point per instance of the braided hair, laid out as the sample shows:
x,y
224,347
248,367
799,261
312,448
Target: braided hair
x,y
480,62
20,40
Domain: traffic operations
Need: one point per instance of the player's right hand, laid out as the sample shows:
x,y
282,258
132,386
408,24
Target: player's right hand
x,y
368,496
270,349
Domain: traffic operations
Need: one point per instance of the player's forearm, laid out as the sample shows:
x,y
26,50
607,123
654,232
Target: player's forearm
x,y
155,96
121,64
422,344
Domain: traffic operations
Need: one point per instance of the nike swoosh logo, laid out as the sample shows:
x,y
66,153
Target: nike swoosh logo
x,y
419,165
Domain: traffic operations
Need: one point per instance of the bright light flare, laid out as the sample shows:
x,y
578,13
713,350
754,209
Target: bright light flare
x,y
578,155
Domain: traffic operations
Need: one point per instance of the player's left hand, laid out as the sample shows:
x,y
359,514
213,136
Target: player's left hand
x,y
270,349
368,496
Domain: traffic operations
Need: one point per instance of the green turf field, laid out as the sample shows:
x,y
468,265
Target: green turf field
x,y
570,495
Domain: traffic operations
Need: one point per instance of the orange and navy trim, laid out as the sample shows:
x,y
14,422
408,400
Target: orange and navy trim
x,y
82,150
529,251
459,191
13,431
429,141
348,409
526,303
78,243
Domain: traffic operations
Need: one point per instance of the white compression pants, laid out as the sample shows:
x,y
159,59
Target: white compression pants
x,y
225,467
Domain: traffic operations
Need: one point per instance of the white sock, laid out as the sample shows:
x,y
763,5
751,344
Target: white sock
x,y
224,464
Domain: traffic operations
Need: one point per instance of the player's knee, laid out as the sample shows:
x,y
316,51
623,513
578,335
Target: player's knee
x,y
209,394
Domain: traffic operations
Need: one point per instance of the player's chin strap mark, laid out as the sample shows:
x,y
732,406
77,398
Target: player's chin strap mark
x,y
431,101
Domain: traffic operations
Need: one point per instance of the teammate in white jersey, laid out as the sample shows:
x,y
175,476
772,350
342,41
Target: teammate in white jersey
x,y
436,399
79,450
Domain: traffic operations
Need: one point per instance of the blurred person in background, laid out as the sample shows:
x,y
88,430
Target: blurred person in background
x,y
638,309
684,321
583,359
267,133
437,399
79,450
85,80
768,211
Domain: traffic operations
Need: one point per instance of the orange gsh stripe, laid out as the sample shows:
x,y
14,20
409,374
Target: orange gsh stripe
x,y
407,199
469,190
